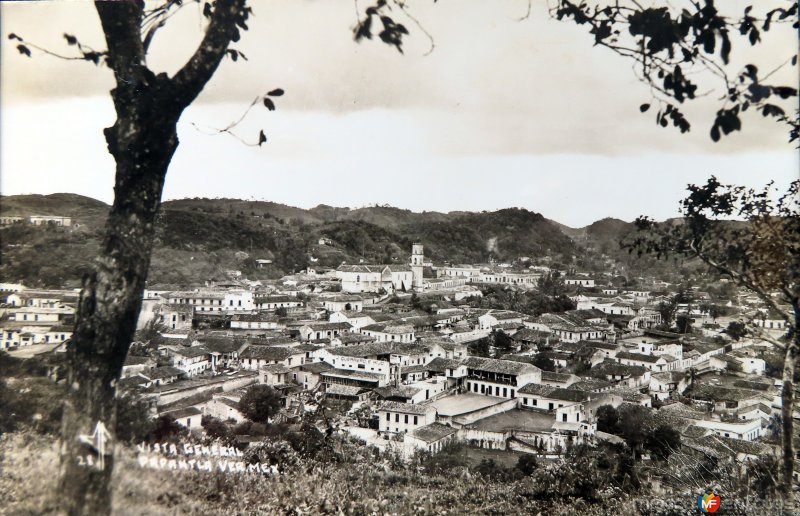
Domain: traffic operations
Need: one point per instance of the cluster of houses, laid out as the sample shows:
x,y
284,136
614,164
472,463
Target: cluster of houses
x,y
413,368
31,316
36,220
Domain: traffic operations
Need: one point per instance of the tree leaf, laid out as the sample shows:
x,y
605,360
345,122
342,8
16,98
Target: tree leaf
x,y
262,138
644,107
715,133
269,104
13,36
71,40
207,10
276,92
24,50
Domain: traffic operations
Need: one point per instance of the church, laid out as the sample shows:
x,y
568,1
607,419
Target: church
x,y
391,277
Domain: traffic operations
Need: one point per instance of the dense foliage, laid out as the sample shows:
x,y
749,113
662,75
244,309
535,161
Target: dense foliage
x,y
260,403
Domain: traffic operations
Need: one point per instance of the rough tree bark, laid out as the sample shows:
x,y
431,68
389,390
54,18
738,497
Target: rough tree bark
x,y
787,408
142,140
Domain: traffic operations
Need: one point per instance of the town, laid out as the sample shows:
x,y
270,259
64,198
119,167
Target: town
x,y
416,356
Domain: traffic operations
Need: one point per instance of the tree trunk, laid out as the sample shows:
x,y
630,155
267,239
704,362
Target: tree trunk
x,y
142,141
787,410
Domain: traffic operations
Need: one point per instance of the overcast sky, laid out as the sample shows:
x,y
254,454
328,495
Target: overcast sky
x,y
502,113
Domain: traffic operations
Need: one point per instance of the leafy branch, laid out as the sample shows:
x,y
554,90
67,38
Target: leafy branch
x,y
668,46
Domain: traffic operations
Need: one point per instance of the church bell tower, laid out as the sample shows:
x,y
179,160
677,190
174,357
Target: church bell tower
x,y
417,259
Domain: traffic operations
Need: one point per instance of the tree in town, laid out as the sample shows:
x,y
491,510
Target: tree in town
x,y
527,463
543,362
260,403
667,309
662,441
751,236
552,284
633,426
503,342
480,348
216,428
133,419
683,322
736,330
607,419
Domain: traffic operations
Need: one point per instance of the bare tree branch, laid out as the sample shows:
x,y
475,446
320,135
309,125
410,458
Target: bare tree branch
x,y
192,78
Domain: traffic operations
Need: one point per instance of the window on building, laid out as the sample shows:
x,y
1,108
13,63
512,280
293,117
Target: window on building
x,y
397,418
415,420
406,419
388,417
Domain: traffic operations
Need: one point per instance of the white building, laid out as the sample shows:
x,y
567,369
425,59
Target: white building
x,y
404,417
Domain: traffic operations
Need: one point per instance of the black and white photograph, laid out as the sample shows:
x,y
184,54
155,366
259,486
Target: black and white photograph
x,y
399,257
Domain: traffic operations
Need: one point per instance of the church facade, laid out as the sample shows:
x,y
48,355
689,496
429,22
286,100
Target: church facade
x,y
390,277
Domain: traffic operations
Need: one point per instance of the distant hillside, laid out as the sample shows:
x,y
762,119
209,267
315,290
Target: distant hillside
x,y
198,239
85,209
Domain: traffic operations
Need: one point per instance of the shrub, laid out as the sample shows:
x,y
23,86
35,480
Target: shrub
x,y
527,463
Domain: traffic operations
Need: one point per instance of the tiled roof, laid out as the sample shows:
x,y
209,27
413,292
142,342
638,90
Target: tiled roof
x,y
361,268
276,299
267,353
556,393
343,299
756,386
275,368
132,360
591,385
440,365
348,337
728,445
404,392
405,408
316,367
325,326
381,348
433,432
344,390
556,377
163,372
638,357
392,328
716,393
255,317
613,368
191,352
499,366
346,373
221,344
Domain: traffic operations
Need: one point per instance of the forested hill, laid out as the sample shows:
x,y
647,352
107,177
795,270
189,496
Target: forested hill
x,y
198,239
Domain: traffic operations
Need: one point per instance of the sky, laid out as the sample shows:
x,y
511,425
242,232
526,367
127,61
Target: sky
x,y
502,113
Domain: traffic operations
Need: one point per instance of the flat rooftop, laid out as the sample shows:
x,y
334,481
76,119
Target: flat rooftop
x,y
515,419
464,404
